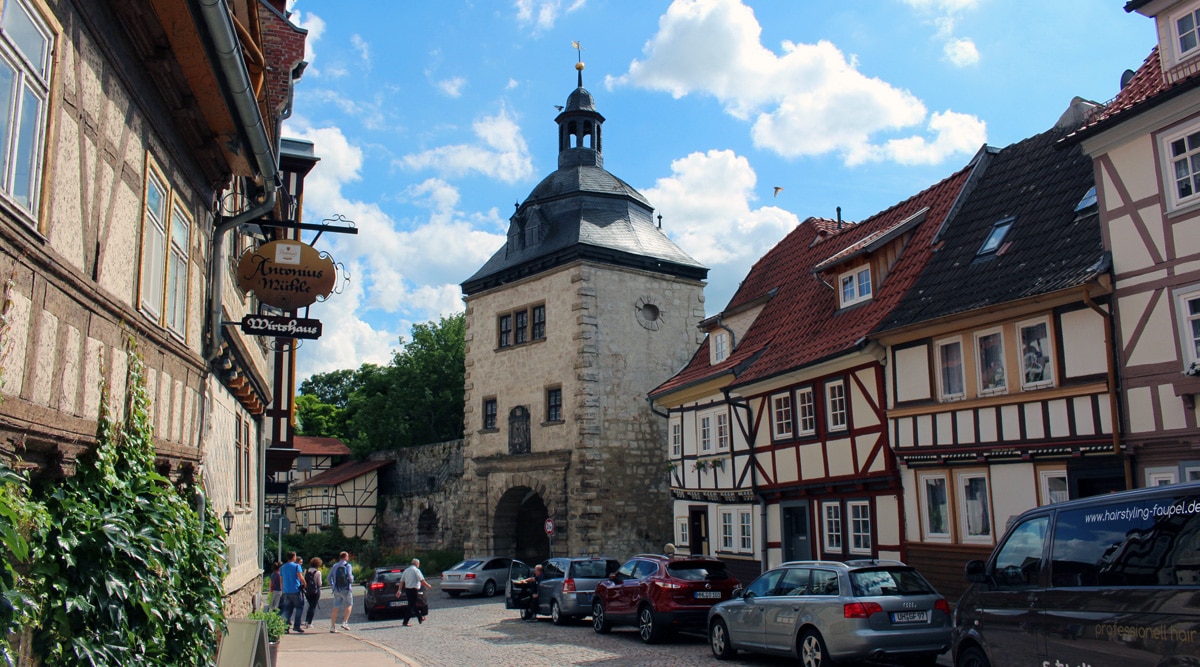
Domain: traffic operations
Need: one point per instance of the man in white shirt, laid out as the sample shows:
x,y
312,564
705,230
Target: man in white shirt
x,y
411,582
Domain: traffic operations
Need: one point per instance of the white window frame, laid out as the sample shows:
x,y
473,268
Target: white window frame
x,y
859,512
681,530
984,389
975,535
745,531
725,523
1177,52
943,393
25,147
1162,476
1044,479
722,431
855,286
1170,184
947,522
831,527
782,422
836,406
1024,357
705,433
165,265
720,346
1187,340
1191,473
676,439
178,272
806,412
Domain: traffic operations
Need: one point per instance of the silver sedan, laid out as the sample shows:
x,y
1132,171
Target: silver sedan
x,y
483,575
826,611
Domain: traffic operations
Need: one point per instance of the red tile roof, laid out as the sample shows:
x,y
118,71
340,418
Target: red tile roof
x,y
319,446
342,473
802,325
1148,87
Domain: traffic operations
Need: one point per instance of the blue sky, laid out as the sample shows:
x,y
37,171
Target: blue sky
x,y
432,119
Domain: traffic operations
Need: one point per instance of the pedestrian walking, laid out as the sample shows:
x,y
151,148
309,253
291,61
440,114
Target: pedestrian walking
x,y
292,582
275,588
312,589
411,582
341,578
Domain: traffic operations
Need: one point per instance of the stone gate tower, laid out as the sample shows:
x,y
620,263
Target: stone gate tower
x,y
586,308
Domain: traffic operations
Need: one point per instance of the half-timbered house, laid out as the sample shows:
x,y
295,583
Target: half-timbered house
x,y
344,498
1146,151
777,442
313,456
1000,396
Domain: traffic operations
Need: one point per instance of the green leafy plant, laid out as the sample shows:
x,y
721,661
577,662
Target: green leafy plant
x,y
275,624
129,574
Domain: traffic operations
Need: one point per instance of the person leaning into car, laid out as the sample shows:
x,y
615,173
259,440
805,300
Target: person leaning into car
x,y
538,575
411,582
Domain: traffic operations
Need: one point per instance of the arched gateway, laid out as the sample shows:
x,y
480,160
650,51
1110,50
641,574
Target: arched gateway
x,y
518,525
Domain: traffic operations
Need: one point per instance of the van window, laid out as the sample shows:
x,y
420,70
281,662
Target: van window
x,y
1019,561
1148,543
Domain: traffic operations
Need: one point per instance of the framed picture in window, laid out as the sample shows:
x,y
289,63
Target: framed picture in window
x,y
1036,367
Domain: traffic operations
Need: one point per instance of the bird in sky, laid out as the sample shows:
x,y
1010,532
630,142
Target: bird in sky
x,y
558,106
778,189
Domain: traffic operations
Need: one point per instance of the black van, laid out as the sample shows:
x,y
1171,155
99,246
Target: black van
x,y
1110,580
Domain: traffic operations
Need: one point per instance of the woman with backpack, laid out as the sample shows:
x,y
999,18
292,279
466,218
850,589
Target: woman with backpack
x,y
312,589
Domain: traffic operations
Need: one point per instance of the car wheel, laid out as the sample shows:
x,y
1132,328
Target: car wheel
x,y
649,631
972,656
719,642
812,650
556,614
599,621
489,589
454,594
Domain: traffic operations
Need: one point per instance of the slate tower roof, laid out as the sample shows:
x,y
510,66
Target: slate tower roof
x,y
582,212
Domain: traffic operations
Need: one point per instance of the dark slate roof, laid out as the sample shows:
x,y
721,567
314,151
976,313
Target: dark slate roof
x,y
341,474
1049,247
801,325
582,212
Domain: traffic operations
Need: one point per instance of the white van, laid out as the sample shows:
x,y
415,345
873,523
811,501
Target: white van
x,y
1106,581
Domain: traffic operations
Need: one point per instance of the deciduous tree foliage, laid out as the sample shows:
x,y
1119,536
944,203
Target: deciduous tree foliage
x,y
414,400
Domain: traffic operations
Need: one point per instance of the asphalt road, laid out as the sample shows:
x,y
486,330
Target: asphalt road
x,y
474,631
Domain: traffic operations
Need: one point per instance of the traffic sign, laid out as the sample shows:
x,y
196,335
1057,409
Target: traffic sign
x,y
549,525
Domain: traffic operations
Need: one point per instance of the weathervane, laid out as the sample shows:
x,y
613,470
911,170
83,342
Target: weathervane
x,y
579,59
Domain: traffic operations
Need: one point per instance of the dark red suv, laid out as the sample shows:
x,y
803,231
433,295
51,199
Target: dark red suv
x,y
660,594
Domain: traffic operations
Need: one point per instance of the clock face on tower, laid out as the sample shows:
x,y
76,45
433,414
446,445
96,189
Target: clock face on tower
x,y
648,314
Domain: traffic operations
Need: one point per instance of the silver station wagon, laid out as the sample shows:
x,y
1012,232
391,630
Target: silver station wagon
x,y
826,611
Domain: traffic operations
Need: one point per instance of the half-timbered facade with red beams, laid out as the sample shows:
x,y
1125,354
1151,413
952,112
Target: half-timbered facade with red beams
x,y
1146,152
777,445
1000,396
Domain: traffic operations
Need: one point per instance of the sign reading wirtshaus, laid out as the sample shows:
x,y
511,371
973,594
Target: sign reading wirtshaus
x,y
281,327
286,274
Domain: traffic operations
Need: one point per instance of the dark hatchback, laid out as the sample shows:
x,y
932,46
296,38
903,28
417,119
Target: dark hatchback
x,y
380,597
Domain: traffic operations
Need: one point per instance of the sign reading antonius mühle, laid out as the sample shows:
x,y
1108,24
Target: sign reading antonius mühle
x,y
286,274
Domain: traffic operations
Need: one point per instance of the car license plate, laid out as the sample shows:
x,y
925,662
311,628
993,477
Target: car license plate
x,y
453,577
397,603
910,616
708,595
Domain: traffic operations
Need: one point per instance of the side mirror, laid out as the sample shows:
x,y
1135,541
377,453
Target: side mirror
x,y
975,571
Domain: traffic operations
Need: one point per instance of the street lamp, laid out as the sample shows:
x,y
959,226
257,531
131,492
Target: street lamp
x,y
227,519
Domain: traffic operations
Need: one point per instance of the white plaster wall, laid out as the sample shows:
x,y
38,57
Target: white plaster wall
x,y
1157,341
912,374
1014,490
1084,351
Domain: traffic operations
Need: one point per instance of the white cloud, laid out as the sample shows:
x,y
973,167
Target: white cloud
x,y
500,152
364,50
399,272
961,52
452,86
811,100
315,26
706,205
543,13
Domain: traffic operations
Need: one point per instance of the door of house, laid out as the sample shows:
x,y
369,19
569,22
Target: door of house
x,y
796,544
698,529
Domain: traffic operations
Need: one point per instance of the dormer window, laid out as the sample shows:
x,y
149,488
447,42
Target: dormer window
x,y
720,346
996,237
855,286
1187,37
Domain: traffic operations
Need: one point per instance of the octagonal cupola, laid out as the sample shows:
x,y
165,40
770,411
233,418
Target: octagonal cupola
x,y
579,129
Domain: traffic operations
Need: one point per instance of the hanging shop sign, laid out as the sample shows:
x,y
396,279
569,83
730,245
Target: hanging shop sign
x,y
286,274
281,327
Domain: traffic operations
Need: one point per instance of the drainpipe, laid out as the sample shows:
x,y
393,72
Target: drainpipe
x,y
732,337
1112,385
231,64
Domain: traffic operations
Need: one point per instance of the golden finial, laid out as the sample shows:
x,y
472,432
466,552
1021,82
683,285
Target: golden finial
x,y
579,53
